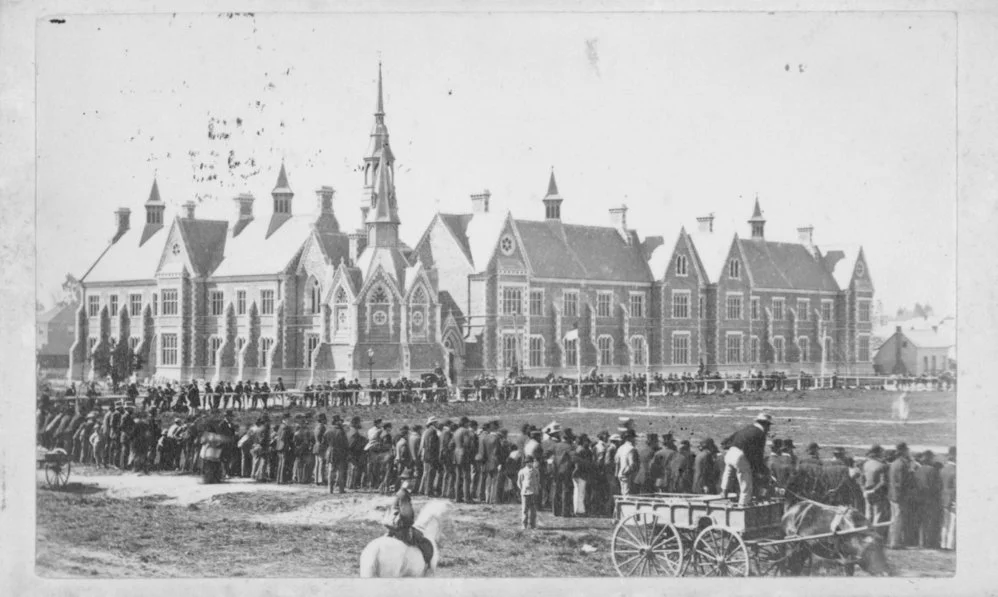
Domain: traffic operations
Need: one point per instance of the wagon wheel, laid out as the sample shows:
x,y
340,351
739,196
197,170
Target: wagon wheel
x,y
57,474
643,545
719,551
772,560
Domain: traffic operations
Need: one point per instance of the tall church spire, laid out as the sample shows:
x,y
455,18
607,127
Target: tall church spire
x,y
377,149
552,201
382,218
379,110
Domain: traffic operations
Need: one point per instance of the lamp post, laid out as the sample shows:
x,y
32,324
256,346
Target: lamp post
x,y
370,364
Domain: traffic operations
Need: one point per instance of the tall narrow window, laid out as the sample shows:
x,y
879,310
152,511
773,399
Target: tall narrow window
x,y
803,309
734,307
342,311
571,353
135,305
637,304
217,301
214,343
754,308
537,302
701,307
754,349
314,298
512,300
265,345
680,304
311,343
510,351
168,351
570,301
680,349
418,311
682,265
826,310
605,345
733,348
266,302
778,304
155,304
805,349
829,355
93,306
778,349
113,304
639,350
604,302
240,302
536,351
170,301
864,311
734,269
863,353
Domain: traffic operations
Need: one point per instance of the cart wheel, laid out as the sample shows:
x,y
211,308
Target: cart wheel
x,y
644,545
771,560
719,551
57,474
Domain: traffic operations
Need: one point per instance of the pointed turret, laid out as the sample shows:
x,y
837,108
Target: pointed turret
x,y
282,195
377,149
155,207
552,201
757,221
379,110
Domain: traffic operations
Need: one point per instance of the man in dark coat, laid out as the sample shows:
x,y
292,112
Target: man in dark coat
x,y
125,436
414,439
358,457
644,482
899,485
928,493
493,459
684,468
947,481
337,454
875,485
319,449
464,454
429,447
704,475
562,485
660,469
745,457
284,444
447,467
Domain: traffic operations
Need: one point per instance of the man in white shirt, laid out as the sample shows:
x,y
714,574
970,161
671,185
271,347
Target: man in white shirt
x,y
626,462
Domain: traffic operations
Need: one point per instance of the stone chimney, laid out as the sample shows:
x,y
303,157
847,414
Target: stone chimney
x,y
618,217
189,210
326,220
805,235
121,221
480,202
706,223
357,242
244,212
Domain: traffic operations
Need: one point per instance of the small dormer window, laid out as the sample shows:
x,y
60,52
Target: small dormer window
x,y
682,265
734,269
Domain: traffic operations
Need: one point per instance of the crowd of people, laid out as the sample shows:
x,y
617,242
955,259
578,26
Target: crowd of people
x,y
577,473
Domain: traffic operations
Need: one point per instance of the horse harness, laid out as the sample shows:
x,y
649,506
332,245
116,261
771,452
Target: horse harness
x,y
840,522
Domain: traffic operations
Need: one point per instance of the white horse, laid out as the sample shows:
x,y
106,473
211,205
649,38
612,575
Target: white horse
x,y
387,557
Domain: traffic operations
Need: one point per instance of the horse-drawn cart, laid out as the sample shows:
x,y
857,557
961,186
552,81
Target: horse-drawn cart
x,y
57,465
670,534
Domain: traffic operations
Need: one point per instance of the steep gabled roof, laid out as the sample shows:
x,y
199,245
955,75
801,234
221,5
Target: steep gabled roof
x,y
571,251
334,246
458,225
712,247
128,259
930,338
255,252
205,242
789,266
840,260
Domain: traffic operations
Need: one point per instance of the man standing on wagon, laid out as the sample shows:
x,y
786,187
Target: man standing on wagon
x,y
745,457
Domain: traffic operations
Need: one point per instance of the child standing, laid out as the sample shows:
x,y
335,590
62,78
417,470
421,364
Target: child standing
x,y
528,481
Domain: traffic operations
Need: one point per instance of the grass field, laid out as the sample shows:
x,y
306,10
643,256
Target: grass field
x,y
167,525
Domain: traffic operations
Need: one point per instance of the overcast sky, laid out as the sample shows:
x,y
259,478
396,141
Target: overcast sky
x,y
843,121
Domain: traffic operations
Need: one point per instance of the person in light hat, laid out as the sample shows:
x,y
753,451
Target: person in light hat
x,y
745,457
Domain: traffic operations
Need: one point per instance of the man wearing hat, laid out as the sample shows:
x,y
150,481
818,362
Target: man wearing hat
x,y
626,461
319,449
899,483
875,485
562,486
429,448
840,489
416,463
400,517
358,456
611,484
704,479
463,456
745,457
337,454
284,445
492,459
448,470
947,478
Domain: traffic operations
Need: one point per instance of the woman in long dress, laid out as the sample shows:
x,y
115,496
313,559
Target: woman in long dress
x,y
901,408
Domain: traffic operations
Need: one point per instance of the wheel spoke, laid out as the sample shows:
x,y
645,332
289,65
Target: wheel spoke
x,y
630,572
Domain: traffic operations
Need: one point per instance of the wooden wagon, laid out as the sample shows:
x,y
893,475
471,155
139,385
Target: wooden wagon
x,y
57,465
674,534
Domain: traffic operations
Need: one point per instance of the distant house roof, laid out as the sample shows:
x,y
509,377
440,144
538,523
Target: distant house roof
x,y
785,266
253,251
943,338
57,313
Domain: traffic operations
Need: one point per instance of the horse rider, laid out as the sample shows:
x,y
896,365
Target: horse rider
x,y
745,457
401,517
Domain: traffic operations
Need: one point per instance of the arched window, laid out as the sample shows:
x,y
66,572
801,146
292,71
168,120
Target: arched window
x,y
315,297
639,350
418,313
379,311
682,266
341,311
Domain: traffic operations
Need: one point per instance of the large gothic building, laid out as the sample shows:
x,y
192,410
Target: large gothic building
x,y
290,294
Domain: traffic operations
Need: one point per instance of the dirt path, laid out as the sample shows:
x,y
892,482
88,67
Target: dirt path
x,y
174,488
